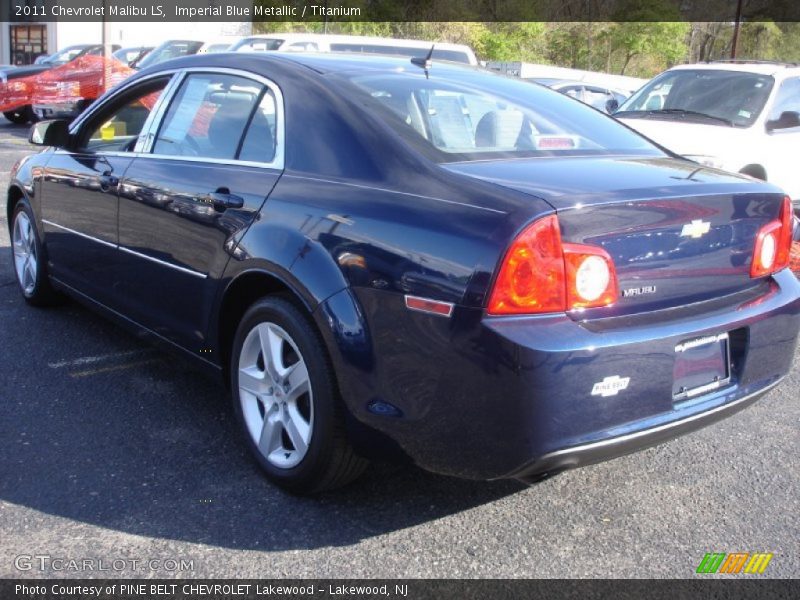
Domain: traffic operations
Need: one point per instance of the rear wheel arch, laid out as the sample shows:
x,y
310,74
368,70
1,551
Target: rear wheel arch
x,y
245,290
754,170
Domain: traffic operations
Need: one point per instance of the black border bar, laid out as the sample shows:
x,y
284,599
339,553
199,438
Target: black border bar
x,y
400,10
735,588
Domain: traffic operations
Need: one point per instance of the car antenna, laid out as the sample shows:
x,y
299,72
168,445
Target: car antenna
x,y
424,63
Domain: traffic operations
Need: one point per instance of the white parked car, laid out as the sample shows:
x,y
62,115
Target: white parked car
x,y
315,42
600,97
742,117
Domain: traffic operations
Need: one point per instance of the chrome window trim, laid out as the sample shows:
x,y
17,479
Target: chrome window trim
x,y
150,129
128,250
280,125
155,114
123,88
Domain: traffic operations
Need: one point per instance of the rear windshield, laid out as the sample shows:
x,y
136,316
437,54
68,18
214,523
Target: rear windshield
x,y
464,114
256,44
450,55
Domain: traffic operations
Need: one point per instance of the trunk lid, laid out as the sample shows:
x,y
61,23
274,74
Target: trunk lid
x,y
678,232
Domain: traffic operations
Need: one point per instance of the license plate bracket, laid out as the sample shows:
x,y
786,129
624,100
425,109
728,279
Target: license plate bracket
x,y
701,366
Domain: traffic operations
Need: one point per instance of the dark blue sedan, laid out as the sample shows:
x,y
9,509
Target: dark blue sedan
x,y
383,257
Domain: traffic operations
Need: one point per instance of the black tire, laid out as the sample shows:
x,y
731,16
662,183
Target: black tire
x,y
19,116
41,293
32,116
329,461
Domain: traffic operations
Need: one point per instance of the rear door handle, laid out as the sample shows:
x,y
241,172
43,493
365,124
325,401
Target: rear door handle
x,y
222,199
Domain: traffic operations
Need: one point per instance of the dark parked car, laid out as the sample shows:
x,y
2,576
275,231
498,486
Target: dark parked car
x,y
383,258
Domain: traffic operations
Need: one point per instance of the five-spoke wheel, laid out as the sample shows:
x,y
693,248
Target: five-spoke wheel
x,y
286,399
28,254
23,244
276,398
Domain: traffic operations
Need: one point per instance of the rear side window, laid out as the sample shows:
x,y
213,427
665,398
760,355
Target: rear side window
x,y
259,142
209,116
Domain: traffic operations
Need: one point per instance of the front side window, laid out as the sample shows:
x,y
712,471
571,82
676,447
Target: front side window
x,y
117,129
714,97
787,99
211,113
460,114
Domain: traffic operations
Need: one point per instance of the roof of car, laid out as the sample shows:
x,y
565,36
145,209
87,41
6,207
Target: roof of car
x,y
328,62
760,67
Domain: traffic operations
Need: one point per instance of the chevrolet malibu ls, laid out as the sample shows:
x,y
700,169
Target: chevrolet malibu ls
x,y
387,257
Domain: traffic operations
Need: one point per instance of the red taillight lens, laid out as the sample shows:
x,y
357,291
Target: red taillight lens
x,y
540,274
531,279
773,244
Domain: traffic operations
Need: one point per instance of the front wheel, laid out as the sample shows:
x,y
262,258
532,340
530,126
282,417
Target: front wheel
x,y
286,400
30,266
19,116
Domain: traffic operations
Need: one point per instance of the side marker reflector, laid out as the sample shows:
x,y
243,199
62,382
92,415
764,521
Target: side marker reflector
x,y
426,305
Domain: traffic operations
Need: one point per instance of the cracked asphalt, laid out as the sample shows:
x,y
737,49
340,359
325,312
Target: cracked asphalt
x,y
112,450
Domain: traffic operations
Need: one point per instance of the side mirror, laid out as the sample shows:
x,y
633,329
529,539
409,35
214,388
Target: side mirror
x,y
612,104
50,133
787,120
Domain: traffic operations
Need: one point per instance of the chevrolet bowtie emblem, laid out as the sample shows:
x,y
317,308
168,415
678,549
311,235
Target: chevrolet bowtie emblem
x,y
695,229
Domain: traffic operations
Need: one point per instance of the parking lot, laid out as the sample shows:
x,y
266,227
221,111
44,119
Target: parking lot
x,y
113,451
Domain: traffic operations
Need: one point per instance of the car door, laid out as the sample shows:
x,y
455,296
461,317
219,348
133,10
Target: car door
x,y
783,141
79,190
210,164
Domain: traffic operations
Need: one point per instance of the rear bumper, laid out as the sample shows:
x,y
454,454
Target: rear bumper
x,y
588,454
511,397
67,110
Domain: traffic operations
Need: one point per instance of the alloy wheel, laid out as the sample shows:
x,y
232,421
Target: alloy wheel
x,y
275,394
25,258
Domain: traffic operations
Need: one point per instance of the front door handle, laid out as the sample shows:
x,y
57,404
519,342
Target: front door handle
x,y
222,199
107,181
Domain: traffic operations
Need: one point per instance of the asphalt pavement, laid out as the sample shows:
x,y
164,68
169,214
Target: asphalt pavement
x,y
116,453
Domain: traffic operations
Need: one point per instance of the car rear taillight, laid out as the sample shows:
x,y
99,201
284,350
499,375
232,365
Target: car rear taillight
x,y
591,276
540,274
773,244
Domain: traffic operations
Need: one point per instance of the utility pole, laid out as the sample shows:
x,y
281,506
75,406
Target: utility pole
x,y
736,25
105,40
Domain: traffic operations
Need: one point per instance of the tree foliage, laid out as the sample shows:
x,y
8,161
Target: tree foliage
x,y
640,48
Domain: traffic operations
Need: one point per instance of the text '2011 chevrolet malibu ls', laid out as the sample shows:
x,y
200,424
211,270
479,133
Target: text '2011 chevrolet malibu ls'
x,y
391,257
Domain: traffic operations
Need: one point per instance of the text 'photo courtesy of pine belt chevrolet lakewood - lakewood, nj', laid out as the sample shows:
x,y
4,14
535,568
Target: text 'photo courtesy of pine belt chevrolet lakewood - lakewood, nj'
x,y
406,257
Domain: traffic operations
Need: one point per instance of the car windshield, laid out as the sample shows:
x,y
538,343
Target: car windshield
x,y
62,57
717,97
256,44
461,115
169,50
